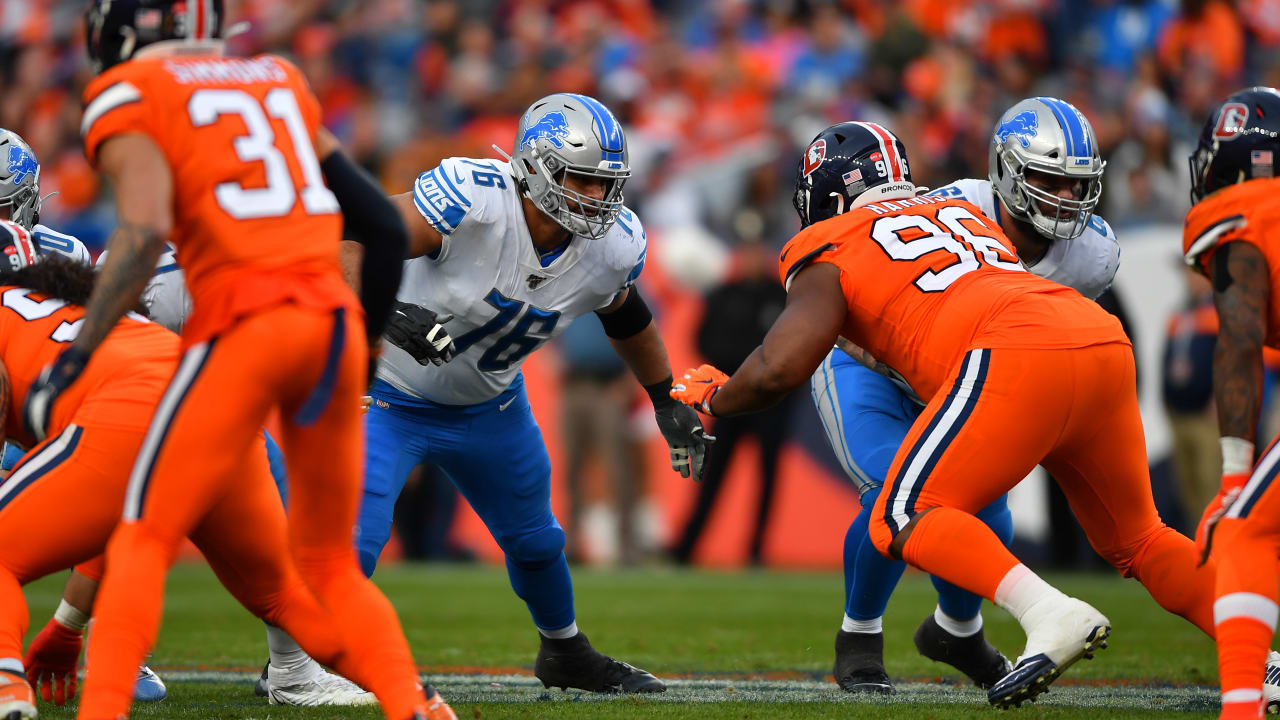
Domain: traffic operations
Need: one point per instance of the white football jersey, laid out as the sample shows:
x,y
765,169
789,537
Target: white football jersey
x,y
1087,263
52,241
487,274
165,298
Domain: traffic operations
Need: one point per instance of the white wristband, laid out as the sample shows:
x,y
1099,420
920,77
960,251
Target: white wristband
x,y
1237,455
70,617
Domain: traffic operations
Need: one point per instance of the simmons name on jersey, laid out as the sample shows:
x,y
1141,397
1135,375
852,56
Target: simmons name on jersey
x,y
505,299
1086,263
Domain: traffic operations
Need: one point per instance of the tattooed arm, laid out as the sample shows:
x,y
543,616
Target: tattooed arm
x,y
1241,292
144,202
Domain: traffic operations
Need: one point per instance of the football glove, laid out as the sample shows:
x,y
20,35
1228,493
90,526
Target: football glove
x,y
421,333
51,662
682,429
1217,508
699,386
56,377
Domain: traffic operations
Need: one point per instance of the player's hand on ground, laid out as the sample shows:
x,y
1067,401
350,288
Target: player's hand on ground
x,y
56,377
421,333
682,429
698,386
51,662
1217,508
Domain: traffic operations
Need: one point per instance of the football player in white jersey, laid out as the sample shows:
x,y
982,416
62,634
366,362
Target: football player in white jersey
x,y
512,252
1045,179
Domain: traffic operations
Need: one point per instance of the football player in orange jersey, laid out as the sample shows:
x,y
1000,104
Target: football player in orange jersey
x,y
1230,236
1016,371
224,157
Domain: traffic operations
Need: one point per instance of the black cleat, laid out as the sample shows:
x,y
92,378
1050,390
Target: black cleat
x,y
260,687
573,663
859,664
971,655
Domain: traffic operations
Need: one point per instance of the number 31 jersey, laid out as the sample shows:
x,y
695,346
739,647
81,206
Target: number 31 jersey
x,y
254,223
487,274
929,278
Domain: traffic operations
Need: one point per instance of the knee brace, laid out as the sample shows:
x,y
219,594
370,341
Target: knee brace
x,y
535,549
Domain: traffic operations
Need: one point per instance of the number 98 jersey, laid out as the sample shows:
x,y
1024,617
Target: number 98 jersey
x,y
254,223
929,278
505,301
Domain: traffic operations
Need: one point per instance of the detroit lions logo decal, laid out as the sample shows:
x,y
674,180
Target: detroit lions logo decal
x,y
814,156
1022,126
553,126
21,164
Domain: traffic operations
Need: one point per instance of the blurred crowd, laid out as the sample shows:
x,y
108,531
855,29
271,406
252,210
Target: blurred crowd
x,y
717,96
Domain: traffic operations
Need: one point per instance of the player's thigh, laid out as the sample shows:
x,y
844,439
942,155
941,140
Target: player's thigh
x,y
62,501
865,416
974,442
396,441
503,470
1101,462
244,537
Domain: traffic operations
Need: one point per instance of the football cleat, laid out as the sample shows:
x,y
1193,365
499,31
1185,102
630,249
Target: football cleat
x,y
17,701
1068,631
972,655
148,687
437,708
309,686
573,663
859,664
1271,683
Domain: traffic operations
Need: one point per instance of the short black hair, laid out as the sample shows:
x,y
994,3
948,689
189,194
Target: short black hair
x,y
56,276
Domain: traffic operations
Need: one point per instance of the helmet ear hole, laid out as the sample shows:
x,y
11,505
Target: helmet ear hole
x,y
528,166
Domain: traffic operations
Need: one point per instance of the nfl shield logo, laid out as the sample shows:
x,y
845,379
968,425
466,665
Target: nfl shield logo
x,y
534,281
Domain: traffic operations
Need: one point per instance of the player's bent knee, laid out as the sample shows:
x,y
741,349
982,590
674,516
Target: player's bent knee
x,y
538,548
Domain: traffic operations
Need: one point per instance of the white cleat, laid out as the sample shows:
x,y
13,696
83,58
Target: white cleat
x,y
1061,634
311,685
1271,683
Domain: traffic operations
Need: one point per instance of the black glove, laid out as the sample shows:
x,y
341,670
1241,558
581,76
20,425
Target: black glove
x,y
421,333
682,429
56,377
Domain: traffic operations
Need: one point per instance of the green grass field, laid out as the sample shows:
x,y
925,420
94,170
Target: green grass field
x,y
735,645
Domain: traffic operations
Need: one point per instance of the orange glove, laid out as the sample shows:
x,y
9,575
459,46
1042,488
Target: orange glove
x,y
699,386
1217,508
51,662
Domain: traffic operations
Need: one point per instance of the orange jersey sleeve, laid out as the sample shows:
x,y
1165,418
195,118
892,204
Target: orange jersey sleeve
x,y
1247,212
929,278
119,388
254,222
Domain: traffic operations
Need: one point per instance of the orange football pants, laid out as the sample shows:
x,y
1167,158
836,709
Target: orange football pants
x,y
1075,412
1246,544
312,366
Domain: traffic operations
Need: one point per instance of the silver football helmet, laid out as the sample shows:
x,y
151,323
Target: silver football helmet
x,y
19,179
1049,136
567,134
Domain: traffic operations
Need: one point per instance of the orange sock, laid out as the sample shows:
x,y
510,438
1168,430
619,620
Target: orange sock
x,y
370,630
127,612
1244,612
1166,567
961,549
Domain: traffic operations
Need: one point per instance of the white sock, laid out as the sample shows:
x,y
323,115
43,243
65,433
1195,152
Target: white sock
x,y
563,633
286,654
1021,590
959,628
13,665
872,626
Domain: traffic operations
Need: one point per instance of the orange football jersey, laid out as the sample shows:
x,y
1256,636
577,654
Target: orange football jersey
x,y
254,223
929,278
122,383
1245,212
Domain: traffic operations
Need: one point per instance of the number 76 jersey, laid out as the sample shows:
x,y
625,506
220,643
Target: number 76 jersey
x,y
254,223
929,278
505,301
